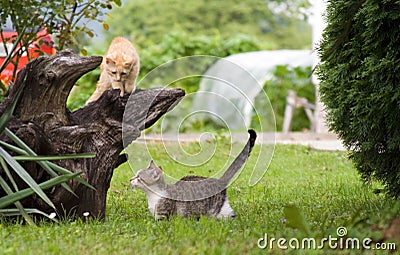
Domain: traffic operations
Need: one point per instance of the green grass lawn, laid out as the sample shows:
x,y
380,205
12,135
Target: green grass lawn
x,y
323,185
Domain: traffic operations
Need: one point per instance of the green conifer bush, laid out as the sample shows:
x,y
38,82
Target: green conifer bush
x,y
360,84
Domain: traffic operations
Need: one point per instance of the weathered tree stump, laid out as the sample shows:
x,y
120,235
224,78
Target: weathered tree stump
x,y
42,120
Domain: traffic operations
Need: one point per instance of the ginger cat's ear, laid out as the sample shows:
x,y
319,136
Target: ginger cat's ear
x,y
128,61
127,64
109,60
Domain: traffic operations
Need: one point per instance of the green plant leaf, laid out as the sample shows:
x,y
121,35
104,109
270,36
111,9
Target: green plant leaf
x,y
106,27
11,54
15,212
8,190
18,204
58,157
118,2
16,196
13,148
84,52
24,176
66,171
5,118
7,171
43,164
48,166
295,219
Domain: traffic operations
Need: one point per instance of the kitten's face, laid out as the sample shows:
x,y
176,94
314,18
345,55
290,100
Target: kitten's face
x,y
147,177
119,66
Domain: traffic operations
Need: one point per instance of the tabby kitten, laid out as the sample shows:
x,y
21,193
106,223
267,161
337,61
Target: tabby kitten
x,y
119,69
192,196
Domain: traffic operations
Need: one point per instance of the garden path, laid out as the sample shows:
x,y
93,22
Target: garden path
x,y
327,141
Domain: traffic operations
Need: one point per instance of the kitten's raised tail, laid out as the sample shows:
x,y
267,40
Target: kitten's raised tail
x,y
240,159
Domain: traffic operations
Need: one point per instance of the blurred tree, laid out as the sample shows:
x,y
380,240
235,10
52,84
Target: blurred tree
x,y
64,19
276,24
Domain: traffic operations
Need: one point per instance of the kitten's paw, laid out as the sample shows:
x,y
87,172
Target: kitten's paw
x,y
226,211
160,217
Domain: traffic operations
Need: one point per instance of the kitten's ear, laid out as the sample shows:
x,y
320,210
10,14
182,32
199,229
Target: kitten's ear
x,y
128,63
160,168
152,165
128,60
109,60
157,174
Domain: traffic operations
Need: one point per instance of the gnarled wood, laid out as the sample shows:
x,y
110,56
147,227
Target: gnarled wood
x,y
42,120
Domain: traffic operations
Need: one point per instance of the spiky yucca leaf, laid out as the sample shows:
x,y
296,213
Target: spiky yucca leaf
x,y
17,196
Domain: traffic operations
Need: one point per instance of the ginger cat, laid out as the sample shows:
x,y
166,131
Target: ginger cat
x,y
119,69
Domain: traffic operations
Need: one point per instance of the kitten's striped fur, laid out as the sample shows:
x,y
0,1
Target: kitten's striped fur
x,y
192,196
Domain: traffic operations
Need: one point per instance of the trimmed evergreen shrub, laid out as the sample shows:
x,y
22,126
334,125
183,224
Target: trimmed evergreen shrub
x,y
360,84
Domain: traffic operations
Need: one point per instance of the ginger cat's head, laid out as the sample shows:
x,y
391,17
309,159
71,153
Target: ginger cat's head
x,y
119,66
